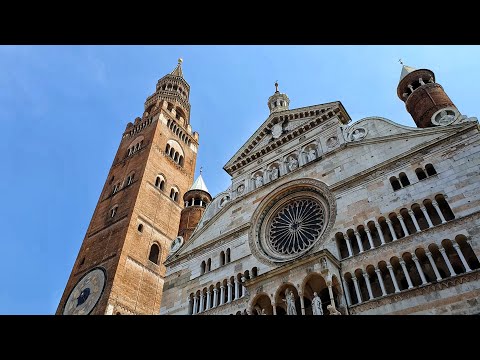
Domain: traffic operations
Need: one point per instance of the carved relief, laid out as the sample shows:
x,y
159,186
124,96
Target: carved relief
x,y
332,142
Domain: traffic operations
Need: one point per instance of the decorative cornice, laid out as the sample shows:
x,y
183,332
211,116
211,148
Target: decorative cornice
x,y
419,291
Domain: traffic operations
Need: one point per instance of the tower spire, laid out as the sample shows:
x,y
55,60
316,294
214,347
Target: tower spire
x,y
278,101
178,70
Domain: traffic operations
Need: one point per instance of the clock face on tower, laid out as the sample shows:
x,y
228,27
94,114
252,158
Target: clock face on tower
x,y
86,293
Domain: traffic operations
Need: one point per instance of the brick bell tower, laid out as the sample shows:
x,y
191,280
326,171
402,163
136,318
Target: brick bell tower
x,y
119,268
425,99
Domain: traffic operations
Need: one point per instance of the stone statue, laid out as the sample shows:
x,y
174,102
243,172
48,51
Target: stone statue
x,y
316,305
311,155
292,164
332,311
358,134
332,142
240,189
323,264
445,118
274,173
290,300
263,312
258,181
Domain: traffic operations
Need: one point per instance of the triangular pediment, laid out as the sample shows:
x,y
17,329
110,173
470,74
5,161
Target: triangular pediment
x,y
282,127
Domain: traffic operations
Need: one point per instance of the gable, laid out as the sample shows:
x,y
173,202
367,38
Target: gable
x,y
293,123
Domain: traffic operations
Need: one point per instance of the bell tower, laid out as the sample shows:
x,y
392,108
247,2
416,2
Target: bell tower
x,y
119,268
425,99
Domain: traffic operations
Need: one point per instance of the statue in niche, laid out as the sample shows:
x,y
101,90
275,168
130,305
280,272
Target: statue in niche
x,y
316,305
323,264
332,142
224,200
290,300
292,164
332,310
274,173
312,154
240,189
258,181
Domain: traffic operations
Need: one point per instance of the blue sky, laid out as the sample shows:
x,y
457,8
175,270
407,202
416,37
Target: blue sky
x,y
63,110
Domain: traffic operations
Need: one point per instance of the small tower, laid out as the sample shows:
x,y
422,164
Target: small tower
x,y
278,101
425,99
196,200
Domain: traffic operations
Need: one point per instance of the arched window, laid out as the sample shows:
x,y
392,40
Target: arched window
x,y
395,183
172,192
209,264
130,179
404,179
228,256
202,268
160,182
430,170
167,148
222,258
420,174
140,228
180,160
154,252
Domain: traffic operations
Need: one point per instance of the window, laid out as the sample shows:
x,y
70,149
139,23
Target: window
x,y
113,211
430,170
160,182
395,183
154,252
115,188
209,264
420,174
222,258
130,179
202,268
404,179
174,194
228,256
140,228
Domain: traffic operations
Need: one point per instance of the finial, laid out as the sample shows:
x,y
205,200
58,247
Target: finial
x,y
180,60
276,86
201,169
400,61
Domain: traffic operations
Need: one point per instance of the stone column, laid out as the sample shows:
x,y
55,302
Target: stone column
x,y
432,263
369,235
200,202
208,299
419,269
215,297
230,285
379,230
274,309
380,280
349,246
405,271
357,289
459,252
347,292
425,213
392,276
369,286
200,309
244,290
330,292
447,261
193,202
195,302
439,212
392,231
402,223
302,303
222,294
359,241
414,219
237,288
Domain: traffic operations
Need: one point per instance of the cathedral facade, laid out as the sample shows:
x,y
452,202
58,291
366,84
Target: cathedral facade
x,y
324,216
